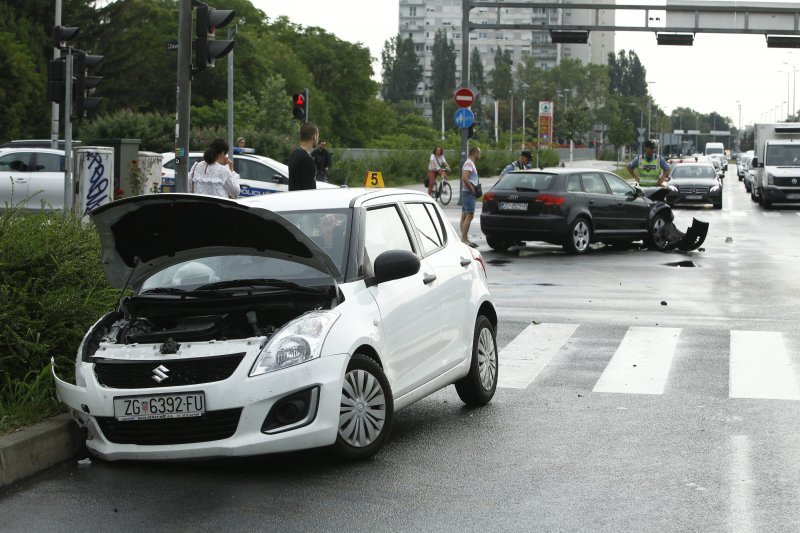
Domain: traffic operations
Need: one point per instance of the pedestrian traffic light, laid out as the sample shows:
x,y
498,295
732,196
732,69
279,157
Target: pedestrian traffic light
x,y
206,47
300,105
62,34
85,85
56,72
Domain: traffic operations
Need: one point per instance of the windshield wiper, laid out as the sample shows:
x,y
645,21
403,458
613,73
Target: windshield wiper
x,y
260,282
526,189
180,292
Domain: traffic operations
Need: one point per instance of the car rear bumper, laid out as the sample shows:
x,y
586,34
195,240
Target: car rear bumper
x,y
547,228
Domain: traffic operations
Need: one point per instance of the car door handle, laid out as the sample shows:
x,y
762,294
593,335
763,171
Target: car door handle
x,y
428,278
591,202
620,204
464,261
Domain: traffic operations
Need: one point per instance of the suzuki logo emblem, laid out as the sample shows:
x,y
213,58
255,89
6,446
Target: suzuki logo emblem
x,y
160,373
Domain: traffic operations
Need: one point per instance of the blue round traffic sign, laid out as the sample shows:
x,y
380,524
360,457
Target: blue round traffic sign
x,y
464,117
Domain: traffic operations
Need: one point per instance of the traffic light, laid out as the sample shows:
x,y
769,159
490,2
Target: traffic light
x,y
85,85
56,72
62,34
206,48
300,105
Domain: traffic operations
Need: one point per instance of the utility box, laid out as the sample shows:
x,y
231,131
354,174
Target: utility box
x,y
149,176
126,154
94,175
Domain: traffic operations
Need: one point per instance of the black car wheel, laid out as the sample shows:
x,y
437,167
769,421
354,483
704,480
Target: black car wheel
x,y
578,237
366,411
497,244
478,387
655,240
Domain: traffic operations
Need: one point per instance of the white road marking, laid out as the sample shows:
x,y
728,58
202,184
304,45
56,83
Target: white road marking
x,y
760,367
739,213
771,214
524,357
741,483
641,363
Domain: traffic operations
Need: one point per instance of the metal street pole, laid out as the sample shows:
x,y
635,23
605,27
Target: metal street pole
x,y
511,123
442,118
231,33
523,125
68,131
54,109
465,9
184,96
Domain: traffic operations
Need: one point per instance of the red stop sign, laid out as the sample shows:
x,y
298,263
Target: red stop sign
x,y
464,97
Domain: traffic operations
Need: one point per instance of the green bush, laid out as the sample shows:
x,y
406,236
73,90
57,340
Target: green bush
x,y
397,168
52,289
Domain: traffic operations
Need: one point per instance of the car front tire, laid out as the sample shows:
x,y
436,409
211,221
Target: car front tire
x,y
578,237
655,241
366,410
478,387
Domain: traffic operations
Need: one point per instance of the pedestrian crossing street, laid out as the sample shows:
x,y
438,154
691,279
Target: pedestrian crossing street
x,y
760,364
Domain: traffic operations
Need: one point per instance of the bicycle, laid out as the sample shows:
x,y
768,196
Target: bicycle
x,y
442,190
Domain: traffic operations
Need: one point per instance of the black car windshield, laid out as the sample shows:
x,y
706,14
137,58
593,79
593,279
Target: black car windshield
x,y
692,172
525,182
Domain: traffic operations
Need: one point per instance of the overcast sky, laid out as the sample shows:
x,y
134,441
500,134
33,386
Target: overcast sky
x,y
709,76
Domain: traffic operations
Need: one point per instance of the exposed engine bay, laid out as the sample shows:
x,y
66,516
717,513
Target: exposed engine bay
x,y
169,321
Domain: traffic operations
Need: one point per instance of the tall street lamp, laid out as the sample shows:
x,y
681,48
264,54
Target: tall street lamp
x,y
795,68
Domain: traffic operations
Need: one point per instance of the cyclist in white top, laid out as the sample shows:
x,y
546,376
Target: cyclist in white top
x,y
436,167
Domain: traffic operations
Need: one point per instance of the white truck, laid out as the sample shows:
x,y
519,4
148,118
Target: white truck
x,y
776,162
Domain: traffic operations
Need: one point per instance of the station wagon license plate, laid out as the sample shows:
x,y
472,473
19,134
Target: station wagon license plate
x,y
793,196
514,206
178,405
693,197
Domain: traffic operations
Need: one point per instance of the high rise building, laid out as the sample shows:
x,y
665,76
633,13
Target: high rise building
x,y
421,19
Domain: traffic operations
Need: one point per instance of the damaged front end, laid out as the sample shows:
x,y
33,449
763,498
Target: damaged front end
x,y
666,235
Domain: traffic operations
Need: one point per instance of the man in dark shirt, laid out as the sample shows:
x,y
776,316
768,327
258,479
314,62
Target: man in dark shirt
x,y
302,170
323,159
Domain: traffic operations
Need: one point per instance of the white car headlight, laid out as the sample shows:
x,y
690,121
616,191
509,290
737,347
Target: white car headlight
x,y
715,188
770,179
297,342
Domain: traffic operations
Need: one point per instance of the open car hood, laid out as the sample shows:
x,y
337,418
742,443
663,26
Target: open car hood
x,y
142,235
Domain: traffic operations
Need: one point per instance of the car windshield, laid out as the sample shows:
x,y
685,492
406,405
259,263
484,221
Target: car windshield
x,y
193,274
783,155
525,181
692,172
329,229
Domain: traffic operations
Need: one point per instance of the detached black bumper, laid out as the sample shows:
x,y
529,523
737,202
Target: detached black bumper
x,y
691,240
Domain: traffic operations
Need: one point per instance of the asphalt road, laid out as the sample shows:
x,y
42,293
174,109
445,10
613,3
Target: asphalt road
x,y
703,446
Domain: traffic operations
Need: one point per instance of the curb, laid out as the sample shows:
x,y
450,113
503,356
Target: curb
x,y
35,448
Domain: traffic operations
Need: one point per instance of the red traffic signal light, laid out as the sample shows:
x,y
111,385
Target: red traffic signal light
x,y
300,105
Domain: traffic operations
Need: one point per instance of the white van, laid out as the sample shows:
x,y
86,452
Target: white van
x,y
714,148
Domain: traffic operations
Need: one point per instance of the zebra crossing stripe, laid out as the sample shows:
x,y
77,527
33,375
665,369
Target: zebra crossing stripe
x,y
641,363
524,357
760,367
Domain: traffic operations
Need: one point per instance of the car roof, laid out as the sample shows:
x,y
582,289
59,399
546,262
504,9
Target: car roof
x,y
12,149
36,143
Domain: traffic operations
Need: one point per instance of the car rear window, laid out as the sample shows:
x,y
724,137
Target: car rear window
x,y
525,181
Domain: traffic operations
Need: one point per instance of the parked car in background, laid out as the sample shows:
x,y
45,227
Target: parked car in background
x,y
286,321
742,164
694,183
571,207
32,177
258,174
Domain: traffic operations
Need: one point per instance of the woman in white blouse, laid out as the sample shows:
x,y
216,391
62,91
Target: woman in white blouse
x,y
214,175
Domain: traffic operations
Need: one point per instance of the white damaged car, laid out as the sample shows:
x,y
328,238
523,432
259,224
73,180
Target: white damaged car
x,y
277,323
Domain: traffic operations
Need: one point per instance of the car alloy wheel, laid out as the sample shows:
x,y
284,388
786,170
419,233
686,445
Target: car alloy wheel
x,y
478,386
366,410
657,239
579,237
497,245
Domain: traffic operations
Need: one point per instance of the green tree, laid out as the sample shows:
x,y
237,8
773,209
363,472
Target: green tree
x,y
627,75
401,69
443,71
621,131
501,78
477,78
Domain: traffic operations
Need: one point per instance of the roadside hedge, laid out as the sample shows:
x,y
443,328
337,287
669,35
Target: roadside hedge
x,y
52,289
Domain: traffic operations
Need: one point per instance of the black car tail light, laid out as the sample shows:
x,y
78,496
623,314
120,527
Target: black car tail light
x,y
549,199
488,196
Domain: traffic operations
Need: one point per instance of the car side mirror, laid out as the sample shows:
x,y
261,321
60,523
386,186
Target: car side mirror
x,y
281,180
755,163
395,264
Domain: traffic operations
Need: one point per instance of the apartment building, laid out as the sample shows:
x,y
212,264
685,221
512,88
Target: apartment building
x,y
421,19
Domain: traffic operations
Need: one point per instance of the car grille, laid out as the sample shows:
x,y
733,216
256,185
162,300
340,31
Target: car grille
x,y
693,190
213,425
786,182
124,374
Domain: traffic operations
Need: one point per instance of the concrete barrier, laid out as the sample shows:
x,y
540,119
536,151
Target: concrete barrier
x,y
32,449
